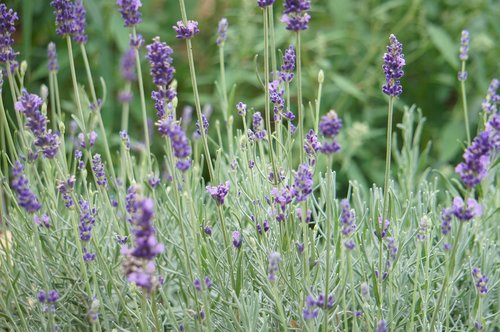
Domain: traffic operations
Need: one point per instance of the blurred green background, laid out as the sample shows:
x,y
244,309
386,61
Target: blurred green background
x,y
346,39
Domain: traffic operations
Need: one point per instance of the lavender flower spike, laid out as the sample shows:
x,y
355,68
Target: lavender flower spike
x,y
129,9
98,169
464,46
294,14
274,259
8,19
265,3
393,67
303,182
160,58
222,32
79,35
65,17
489,104
53,65
186,31
219,192
25,197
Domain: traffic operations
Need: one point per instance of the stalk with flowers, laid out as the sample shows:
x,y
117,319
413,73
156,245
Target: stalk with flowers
x,y
97,236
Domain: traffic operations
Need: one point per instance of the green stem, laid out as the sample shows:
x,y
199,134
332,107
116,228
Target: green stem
x,y
266,94
300,124
449,274
415,288
196,94
318,101
75,84
464,102
143,103
273,43
329,221
223,83
10,141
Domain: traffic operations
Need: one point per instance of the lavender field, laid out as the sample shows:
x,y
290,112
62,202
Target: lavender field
x,y
253,165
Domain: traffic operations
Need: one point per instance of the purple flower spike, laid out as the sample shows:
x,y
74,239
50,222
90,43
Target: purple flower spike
x,y
79,35
160,58
481,281
65,17
476,160
466,212
265,3
98,169
222,32
294,14
128,64
25,196
8,19
288,66
53,65
186,31
219,192
129,9
489,104
303,182
394,62
382,326
237,239
464,46
274,260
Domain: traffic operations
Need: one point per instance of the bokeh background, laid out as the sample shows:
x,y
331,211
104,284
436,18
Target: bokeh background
x,y
346,40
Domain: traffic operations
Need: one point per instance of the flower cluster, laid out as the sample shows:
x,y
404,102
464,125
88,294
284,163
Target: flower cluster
x,y
79,35
295,14
25,197
348,222
222,32
48,299
237,239
329,126
160,58
98,169
129,9
307,217
127,65
207,281
70,19
53,64
313,305
219,192
180,143
258,133
282,198
36,121
394,61
382,326
272,269
464,53
241,108
43,221
288,66
65,188
8,19
423,228
87,221
392,248
303,183
489,104
139,265
481,281
265,3
463,211
312,146
186,31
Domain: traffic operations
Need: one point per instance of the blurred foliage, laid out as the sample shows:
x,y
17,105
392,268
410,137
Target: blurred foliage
x,y
346,39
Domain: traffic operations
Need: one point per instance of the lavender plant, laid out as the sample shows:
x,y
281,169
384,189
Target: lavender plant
x,y
266,241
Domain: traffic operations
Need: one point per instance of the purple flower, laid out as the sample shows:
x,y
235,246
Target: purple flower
x,y
219,192
136,42
476,160
197,284
66,189
257,123
8,19
311,146
300,247
87,255
481,281
125,139
330,124
180,143
205,125
282,198
128,64
207,230
265,3
241,108
274,259
392,247
384,227
53,65
25,196
79,35
466,212
303,182
65,17
98,169
298,211
294,14
347,218
43,221
276,93
423,229
186,31
87,220
41,296
222,31
237,239
29,105
464,46
160,58
129,9
288,66
208,282
489,104
382,326
393,67
139,263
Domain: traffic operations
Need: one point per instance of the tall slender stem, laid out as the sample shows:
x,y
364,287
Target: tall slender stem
x,y
299,97
328,235
464,102
266,93
75,84
223,83
143,103
388,152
